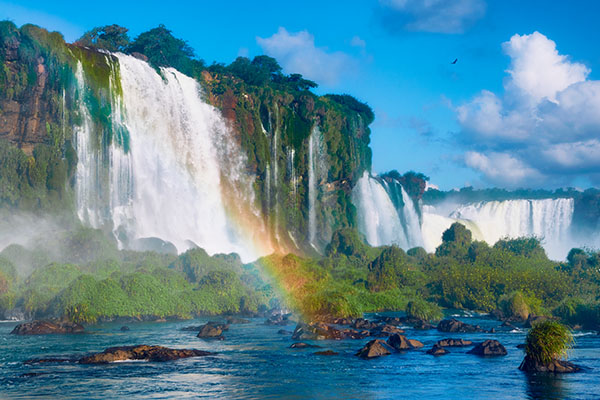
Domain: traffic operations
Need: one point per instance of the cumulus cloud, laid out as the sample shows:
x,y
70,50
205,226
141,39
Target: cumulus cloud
x,y
436,16
297,53
545,124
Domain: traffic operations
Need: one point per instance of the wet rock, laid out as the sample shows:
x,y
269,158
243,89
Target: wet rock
x,y
534,319
236,320
284,332
363,324
437,350
278,319
386,330
488,348
343,321
302,345
454,325
375,348
210,331
415,343
46,327
454,343
354,334
556,366
316,331
141,352
326,353
390,320
50,360
401,343
125,329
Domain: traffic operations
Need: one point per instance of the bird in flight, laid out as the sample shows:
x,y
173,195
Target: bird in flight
x,y
455,61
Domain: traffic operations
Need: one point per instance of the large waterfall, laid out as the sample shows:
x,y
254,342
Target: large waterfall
x,y
387,215
173,166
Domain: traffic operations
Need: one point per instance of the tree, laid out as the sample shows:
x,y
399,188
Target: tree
x,y
455,241
165,50
110,37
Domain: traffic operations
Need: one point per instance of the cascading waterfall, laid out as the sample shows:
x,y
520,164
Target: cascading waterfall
x,y
317,169
172,164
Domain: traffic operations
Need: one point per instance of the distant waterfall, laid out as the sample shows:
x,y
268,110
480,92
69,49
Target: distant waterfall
x,y
386,214
173,165
317,170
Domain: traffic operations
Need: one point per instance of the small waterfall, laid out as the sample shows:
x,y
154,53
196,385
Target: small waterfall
x,y
291,171
317,173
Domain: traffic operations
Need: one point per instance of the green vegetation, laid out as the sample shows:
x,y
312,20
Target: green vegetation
x,y
110,37
548,341
424,310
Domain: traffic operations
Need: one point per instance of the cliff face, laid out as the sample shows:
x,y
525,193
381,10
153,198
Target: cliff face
x,y
304,152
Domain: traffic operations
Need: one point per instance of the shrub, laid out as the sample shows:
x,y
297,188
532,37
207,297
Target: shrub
x,y
548,341
424,310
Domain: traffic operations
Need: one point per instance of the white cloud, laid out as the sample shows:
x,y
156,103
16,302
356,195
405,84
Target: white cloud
x,y
546,123
297,53
358,42
437,16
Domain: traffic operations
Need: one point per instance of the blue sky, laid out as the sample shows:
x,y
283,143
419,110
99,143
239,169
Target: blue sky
x,y
518,109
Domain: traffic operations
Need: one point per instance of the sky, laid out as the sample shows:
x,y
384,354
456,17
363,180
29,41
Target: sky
x,y
520,107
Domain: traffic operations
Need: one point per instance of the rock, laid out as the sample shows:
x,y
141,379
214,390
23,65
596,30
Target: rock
x,y
125,329
363,324
375,348
521,346
488,348
454,343
533,319
326,353
277,319
210,331
454,325
390,320
284,332
354,334
343,321
220,325
140,56
141,352
400,342
437,350
556,366
422,325
46,327
415,343
236,320
302,345
316,331
49,360
386,330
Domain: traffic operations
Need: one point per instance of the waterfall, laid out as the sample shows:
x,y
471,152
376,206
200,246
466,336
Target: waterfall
x,y
378,217
174,169
317,170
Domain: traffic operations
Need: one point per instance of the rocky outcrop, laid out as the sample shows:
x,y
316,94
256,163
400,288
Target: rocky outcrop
x,y
437,350
556,366
375,348
141,352
46,327
401,343
489,348
316,331
456,326
210,331
363,324
454,343
386,330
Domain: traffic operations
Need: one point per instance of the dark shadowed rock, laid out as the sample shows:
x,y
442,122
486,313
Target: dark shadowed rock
x,y
400,342
326,353
141,352
363,324
284,332
454,325
46,327
278,319
386,330
488,348
454,343
302,345
236,320
125,329
556,366
375,348
354,334
437,350
316,331
210,331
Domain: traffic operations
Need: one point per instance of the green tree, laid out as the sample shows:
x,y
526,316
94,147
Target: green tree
x,y
110,37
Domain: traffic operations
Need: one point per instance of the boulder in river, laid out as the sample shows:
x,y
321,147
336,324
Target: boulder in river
x,y
437,350
326,353
454,342
302,345
141,352
489,348
361,324
556,366
454,325
316,331
401,342
375,348
386,330
46,327
210,331
125,329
